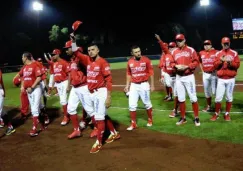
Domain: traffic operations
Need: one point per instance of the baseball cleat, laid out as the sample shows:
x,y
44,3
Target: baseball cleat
x,y
150,123
197,122
10,130
113,137
1,123
181,121
94,132
207,109
65,121
96,148
173,114
33,133
132,127
47,120
214,117
227,117
74,134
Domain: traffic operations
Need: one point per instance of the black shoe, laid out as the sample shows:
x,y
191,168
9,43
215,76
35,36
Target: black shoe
x,y
196,122
10,130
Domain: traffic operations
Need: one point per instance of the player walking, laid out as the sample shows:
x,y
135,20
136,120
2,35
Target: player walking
x,y
185,62
139,70
99,82
226,64
207,59
62,81
10,128
31,74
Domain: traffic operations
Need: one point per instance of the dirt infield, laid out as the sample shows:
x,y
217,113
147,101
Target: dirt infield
x,y
140,150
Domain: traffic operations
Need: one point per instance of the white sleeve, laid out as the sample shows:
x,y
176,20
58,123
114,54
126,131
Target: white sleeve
x,y
74,47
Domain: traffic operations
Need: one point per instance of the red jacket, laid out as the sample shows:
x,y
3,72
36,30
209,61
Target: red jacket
x,y
207,59
227,70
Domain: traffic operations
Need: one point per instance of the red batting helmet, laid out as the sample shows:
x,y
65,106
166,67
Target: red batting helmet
x,y
68,44
180,37
172,44
76,25
225,40
17,81
56,52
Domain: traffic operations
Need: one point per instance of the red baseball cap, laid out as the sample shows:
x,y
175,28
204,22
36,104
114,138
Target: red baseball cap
x,y
68,44
17,81
180,37
76,24
56,52
172,44
225,40
207,42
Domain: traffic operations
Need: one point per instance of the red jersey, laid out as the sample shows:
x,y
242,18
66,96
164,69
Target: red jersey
x,y
161,61
1,82
185,56
139,70
207,59
98,72
227,70
51,69
43,70
30,73
167,59
77,76
61,70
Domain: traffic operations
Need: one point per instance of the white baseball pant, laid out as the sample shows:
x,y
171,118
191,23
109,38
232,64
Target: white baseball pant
x,y
139,90
62,91
35,101
209,84
1,102
186,84
51,81
167,79
42,85
80,94
225,86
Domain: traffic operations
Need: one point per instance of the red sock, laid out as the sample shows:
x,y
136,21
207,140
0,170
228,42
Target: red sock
x,y
84,115
150,115
217,107
64,107
167,91
209,101
183,109
170,91
110,125
228,106
133,116
176,104
74,119
195,109
101,130
35,122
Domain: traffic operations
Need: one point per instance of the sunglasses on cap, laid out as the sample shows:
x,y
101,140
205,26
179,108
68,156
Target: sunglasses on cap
x,y
226,44
171,46
179,40
206,44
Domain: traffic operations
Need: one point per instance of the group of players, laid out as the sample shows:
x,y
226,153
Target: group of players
x,y
88,80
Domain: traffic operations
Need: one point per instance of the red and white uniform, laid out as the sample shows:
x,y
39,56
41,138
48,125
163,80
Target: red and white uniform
x,y
140,72
29,73
2,95
207,59
226,72
61,74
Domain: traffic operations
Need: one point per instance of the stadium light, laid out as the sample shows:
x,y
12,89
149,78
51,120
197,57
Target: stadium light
x,y
204,2
37,6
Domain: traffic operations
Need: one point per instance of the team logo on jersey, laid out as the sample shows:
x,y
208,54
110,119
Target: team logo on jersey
x,y
73,66
167,59
229,57
96,68
182,54
203,56
143,64
59,66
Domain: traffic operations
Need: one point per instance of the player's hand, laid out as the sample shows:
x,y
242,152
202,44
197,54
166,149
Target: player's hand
x,y
68,89
162,79
157,37
72,37
108,102
222,58
126,89
29,90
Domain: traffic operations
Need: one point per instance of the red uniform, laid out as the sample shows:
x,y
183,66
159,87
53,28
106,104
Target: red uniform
x,y
225,70
51,64
1,82
61,70
141,70
77,76
207,59
29,73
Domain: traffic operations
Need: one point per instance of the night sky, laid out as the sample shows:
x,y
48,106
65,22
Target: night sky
x,y
131,21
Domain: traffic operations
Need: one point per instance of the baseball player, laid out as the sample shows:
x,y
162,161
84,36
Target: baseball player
x,y
51,85
207,59
31,74
10,128
170,76
99,82
24,109
62,81
226,64
185,62
139,70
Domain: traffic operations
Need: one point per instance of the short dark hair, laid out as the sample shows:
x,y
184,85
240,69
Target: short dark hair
x,y
93,44
28,55
134,47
